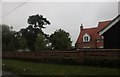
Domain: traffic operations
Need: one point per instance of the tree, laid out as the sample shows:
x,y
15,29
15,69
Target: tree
x,y
21,43
8,39
60,40
0,37
40,43
11,45
36,23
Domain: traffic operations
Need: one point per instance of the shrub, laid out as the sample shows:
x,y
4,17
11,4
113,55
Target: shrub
x,y
102,61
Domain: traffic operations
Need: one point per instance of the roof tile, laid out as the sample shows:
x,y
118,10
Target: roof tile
x,y
93,32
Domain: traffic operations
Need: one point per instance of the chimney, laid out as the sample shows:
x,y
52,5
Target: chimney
x,y
81,27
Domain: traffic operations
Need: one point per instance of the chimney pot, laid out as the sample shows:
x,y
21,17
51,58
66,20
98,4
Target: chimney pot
x,y
81,27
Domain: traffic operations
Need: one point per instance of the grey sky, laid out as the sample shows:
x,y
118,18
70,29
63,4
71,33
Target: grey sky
x,y
64,15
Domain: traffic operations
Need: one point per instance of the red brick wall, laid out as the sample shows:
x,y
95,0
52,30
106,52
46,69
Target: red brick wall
x,y
91,44
100,43
79,55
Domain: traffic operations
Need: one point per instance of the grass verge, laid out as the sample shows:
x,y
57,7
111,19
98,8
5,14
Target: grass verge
x,y
30,68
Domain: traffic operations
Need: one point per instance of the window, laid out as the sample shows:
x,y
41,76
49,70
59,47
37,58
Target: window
x,y
98,40
102,37
86,47
86,38
101,47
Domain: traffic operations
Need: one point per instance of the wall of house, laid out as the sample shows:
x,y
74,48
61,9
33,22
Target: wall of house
x,y
91,44
100,43
87,44
112,37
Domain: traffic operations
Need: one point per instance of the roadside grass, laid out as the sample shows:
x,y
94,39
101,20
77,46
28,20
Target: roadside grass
x,y
29,68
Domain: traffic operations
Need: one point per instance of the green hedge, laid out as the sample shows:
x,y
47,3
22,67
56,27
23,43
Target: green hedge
x,y
58,60
99,61
102,61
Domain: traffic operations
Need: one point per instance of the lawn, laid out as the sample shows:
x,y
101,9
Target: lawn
x,y
30,68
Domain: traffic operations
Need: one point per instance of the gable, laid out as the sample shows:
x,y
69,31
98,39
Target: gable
x,y
86,37
101,32
86,34
91,32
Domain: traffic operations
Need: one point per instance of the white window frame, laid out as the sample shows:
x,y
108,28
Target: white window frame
x,y
86,38
101,47
86,47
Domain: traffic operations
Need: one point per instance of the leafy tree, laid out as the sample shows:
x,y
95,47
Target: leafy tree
x,y
23,44
60,40
41,43
8,39
36,23
11,45
0,37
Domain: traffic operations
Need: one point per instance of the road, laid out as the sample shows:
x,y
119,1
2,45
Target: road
x,y
8,74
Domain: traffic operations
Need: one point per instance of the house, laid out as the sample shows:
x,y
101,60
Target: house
x,y
90,38
111,34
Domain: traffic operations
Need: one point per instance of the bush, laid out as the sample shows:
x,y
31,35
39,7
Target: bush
x,y
102,61
58,60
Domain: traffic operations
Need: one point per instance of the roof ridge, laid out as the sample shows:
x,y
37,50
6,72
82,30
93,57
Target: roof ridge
x,y
90,28
105,21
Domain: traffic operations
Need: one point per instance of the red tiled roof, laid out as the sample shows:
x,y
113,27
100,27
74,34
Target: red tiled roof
x,y
93,32
109,26
103,24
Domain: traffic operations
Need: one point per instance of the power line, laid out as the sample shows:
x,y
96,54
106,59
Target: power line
x,y
15,8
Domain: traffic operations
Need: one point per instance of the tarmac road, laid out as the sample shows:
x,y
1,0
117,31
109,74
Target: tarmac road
x,y
8,74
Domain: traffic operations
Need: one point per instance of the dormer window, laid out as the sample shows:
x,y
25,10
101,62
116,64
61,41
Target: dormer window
x,y
86,38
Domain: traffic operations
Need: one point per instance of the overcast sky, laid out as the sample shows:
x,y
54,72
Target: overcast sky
x,y
65,15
